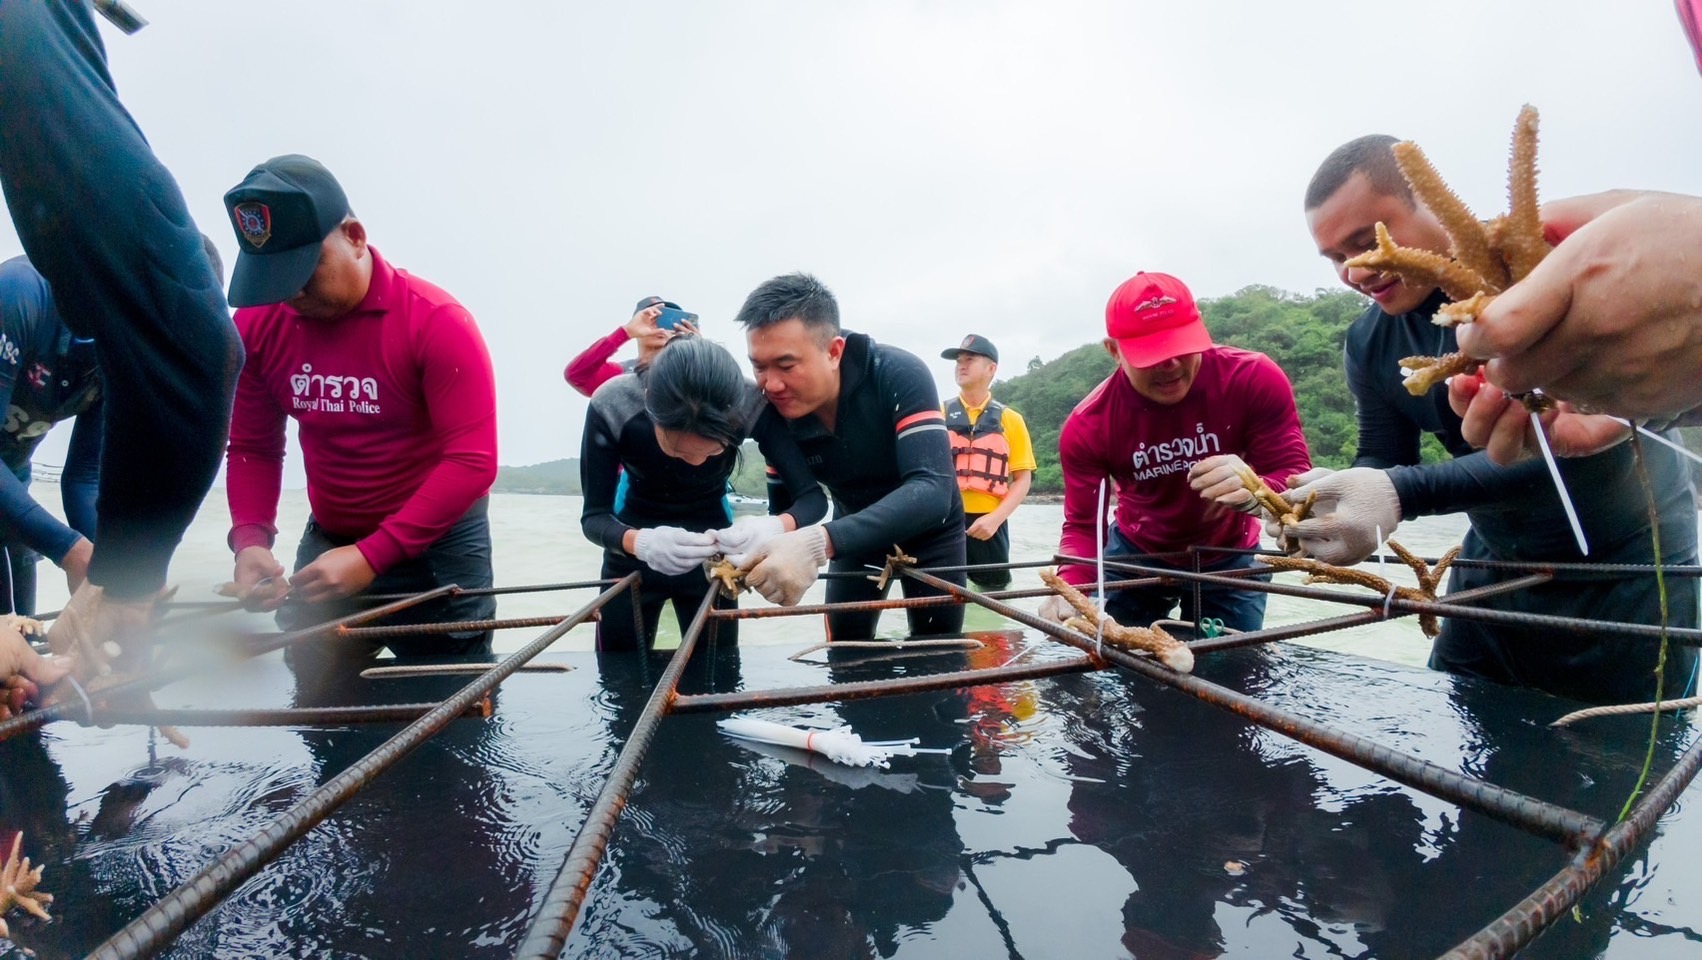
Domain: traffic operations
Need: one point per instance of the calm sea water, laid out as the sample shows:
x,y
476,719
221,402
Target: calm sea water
x,y
1092,815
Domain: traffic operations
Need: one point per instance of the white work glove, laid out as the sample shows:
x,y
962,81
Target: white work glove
x,y
672,550
786,566
1354,508
746,536
1218,479
1273,529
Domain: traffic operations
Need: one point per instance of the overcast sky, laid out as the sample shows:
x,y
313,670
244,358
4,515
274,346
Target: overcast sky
x,y
945,167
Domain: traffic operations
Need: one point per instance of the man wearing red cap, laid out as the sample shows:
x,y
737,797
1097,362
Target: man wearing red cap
x,y
1169,429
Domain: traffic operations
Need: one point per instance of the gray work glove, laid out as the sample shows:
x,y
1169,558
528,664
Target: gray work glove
x,y
673,550
1354,506
746,536
786,566
1273,529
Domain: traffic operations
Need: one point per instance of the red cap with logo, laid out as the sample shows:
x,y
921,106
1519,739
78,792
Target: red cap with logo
x,y
1153,318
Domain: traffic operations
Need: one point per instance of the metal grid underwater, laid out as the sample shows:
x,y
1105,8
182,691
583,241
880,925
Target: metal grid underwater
x,y
1588,846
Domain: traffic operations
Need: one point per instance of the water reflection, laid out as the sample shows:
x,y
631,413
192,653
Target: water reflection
x,y
1090,815
731,851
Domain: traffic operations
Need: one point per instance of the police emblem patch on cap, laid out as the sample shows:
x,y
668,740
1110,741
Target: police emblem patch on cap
x,y
253,222
1154,303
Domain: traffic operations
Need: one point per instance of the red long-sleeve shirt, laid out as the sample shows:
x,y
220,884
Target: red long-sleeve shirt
x,y
397,410
1240,403
592,368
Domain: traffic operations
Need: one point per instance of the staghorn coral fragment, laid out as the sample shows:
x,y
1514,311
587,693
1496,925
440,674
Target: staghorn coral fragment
x,y
1522,245
1429,578
1466,234
1284,513
1168,650
1420,268
1463,311
722,571
1427,372
18,886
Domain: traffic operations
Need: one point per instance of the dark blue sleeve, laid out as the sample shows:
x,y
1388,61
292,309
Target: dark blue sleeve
x,y
80,480
23,305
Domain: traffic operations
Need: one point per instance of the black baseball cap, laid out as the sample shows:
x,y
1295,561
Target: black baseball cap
x,y
974,343
282,211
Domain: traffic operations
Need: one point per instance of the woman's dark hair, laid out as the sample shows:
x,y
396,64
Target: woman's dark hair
x,y
696,386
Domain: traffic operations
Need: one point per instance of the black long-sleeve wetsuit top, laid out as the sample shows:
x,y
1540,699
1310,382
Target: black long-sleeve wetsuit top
x,y
887,461
664,491
1515,510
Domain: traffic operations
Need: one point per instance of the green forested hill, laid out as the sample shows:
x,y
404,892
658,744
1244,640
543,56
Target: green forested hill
x,y
1303,334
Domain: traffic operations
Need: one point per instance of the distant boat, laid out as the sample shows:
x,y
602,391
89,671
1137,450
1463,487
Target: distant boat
x,y
743,504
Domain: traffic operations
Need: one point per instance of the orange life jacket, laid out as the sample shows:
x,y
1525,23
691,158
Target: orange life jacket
x,y
980,452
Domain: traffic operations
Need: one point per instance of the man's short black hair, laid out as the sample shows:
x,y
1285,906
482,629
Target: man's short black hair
x,y
792,295
1371,155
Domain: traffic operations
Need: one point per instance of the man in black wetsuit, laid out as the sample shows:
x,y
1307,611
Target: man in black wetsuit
x,y
1516,514
868,419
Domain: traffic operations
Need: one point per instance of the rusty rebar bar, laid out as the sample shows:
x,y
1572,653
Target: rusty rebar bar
x,y
1515,929
865,689
1527,813
1516,566
449,626
504,591
172,914
1292,631
1688,636
549,930
66,709
897,603
289,717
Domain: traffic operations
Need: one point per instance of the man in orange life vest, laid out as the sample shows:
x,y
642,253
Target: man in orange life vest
x,y
993,457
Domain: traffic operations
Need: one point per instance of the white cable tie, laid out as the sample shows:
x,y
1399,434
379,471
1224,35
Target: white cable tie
x,y
88,708
1652,435
1388,601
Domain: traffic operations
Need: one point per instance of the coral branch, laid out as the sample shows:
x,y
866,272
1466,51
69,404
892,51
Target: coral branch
x,y
1421,268
1169,651
1470,244
18,886
1429,578
1427,372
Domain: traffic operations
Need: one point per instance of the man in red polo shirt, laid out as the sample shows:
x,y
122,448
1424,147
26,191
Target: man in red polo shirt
x,y
1169,429
391,385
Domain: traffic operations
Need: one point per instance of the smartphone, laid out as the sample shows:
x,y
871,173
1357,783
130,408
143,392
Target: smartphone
x,y
670,318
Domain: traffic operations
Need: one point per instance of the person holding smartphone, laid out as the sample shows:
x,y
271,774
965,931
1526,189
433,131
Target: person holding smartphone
x,y
671,432
654,322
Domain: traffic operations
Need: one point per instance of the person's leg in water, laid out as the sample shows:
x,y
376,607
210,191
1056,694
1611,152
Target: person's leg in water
x,y
105,223
942,550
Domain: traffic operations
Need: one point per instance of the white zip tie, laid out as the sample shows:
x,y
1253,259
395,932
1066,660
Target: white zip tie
x,y
1101,601
1388,601
88,708
1560,485
1652,435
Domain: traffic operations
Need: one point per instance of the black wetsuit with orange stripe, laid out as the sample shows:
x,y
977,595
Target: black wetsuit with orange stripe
x,y
888,466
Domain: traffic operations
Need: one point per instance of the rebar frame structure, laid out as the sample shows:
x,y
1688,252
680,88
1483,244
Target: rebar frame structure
x,y
1593,846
